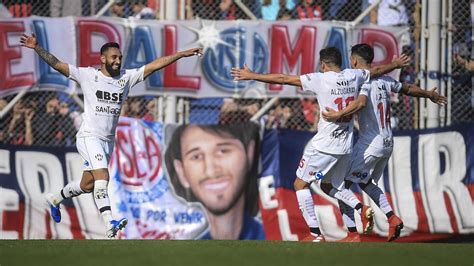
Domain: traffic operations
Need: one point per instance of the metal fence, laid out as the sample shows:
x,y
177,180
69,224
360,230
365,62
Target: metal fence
x,y
53,118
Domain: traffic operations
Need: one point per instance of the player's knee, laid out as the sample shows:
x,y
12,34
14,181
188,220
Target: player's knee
x,y
300,184
100,174
87,188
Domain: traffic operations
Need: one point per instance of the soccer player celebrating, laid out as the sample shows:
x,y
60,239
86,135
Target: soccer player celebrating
x,y
326,157
104,90
375,144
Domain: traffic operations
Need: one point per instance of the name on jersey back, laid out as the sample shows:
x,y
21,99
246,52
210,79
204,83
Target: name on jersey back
x,y
340,91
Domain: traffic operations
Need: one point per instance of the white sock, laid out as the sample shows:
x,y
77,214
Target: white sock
x,y
72,189
377,195
101,198
306,204
345,195
347,214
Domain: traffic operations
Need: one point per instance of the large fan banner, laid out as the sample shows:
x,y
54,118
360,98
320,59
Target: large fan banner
x,y
229,182
278,47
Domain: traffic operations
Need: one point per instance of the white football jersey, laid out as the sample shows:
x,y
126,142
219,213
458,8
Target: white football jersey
x,y
103,98
336,91
374,119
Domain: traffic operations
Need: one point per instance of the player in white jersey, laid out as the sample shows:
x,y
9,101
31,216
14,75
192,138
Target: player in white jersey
x,y
104,90
326,157
375,144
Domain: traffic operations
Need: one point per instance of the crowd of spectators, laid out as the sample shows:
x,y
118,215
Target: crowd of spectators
x,y
391,12
53,119
48,120
40,119
298,114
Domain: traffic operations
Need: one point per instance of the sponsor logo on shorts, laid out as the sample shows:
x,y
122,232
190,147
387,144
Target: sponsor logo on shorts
x,y
387,142
99,157
360,175
340,133
86,163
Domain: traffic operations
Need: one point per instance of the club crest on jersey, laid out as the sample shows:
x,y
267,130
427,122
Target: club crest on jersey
x,y
121,83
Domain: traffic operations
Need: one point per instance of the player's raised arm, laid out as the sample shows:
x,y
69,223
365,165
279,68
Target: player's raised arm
x,y
399,62
247,74
415,91
32,43
164,61
332,115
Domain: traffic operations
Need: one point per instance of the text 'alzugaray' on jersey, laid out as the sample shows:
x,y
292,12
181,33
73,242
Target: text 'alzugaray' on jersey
x,y
335,90
103,98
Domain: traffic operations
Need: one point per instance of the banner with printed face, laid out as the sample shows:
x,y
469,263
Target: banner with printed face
x,y
180,182
141,189
289,47
169,182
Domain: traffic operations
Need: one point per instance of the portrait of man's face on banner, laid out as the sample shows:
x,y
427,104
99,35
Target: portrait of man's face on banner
x,y
216,166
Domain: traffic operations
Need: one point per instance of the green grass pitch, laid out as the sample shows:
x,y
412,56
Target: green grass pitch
x,y
228,253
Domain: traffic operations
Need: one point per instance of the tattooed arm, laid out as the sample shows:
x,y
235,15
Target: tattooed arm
x,y
32,43
164,61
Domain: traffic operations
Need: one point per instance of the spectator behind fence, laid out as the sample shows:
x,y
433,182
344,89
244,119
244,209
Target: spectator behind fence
x,y
389,13
467,64
134,109
64,8
344,10
230,11
203,9
20,128
311,112
271,9
141,10
149,110
284,13
65,132
117,9
308,9
18,8
45,123
217,166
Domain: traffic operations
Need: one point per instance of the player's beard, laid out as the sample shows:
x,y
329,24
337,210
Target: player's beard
x,y
113,72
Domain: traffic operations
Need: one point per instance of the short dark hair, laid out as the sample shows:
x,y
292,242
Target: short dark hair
x,y
245,132
331,55
364,51
108,45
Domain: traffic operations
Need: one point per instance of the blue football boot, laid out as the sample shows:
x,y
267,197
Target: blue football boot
x,y
115,226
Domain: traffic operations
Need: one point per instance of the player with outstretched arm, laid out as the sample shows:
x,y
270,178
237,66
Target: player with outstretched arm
x,y
105,89
327,155
375,144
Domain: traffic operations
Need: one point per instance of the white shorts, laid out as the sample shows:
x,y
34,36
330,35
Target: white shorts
x,y
317,165
364,165
95,152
